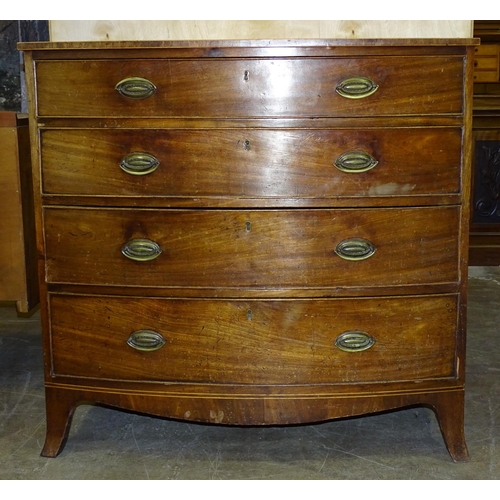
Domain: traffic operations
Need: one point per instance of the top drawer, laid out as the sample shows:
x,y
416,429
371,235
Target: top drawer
x,y
231,88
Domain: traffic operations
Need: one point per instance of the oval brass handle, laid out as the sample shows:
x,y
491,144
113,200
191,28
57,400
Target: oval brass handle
x,y
135,88
354,341
354,162
357,87
141,250
146,340
139,163
355,249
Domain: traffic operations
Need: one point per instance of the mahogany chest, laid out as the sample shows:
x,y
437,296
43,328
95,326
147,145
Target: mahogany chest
x,y
252,232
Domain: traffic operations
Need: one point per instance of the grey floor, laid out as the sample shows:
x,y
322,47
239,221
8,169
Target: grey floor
x,y
111,444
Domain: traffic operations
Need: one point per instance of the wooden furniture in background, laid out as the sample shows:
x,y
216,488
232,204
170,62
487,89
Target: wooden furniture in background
x,y
18,263
485,206
253,232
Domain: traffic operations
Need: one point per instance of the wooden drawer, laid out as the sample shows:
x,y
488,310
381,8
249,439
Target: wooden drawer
x,y
254,248
229,88
254,342
252,163
486,63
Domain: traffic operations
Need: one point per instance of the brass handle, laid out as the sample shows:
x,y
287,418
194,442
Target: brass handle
x,y
141,250
354,162
355,249
356,88
139,163
135,88
354,341
146,340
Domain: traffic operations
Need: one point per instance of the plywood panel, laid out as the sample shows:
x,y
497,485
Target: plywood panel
x,y
220,30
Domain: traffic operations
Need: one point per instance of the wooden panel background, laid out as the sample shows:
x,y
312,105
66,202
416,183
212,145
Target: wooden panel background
x,y
18,262
220,30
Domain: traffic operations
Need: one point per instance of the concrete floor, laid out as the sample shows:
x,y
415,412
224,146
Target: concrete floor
x,y
112,444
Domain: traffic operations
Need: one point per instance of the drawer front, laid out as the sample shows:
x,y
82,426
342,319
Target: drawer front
x,y
229,88
252,163
254,342
254,248
486,63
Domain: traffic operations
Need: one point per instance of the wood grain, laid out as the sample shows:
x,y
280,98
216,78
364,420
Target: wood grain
x,y
229,88
232,163
61,30
271,249
254,342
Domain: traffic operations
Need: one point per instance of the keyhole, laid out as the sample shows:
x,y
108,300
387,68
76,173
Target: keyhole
x,y
249,315
246,145
246,75
248,226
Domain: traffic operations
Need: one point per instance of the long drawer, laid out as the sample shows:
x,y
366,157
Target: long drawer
x,y
251,248
252,163
254,342
229,88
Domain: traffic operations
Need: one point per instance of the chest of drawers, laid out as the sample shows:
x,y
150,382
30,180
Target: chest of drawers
x,y
252,232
